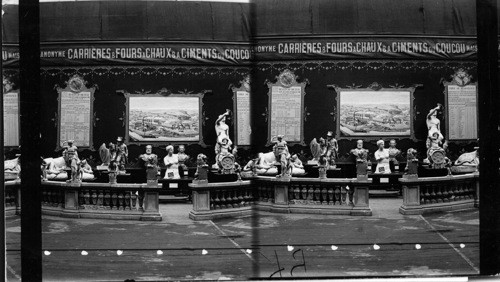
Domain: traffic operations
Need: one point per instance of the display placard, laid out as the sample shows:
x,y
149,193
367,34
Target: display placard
x,y
461,108
76,113
374,112
163,117
11,119
241,109
286,108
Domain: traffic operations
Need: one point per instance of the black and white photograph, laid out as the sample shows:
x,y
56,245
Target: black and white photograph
x,y
250,140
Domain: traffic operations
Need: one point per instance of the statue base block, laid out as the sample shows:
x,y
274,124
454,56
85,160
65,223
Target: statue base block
x,y
410,176
152,183
102,167
362,177
361,168
412,167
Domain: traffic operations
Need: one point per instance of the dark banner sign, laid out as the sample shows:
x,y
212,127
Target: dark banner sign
x,y
366,48
240,54
145,54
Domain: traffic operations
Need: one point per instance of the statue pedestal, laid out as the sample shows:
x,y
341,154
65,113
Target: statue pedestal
x,y
312,162
412,167
361,168
102,167
151,173
112,177
322,172
202,172
362,177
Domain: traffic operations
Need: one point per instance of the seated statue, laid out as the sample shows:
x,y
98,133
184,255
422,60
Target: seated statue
x,y
467,162
225,157
297,166
12,168
86,171
436,155
468,159
55,168
266,164
250,169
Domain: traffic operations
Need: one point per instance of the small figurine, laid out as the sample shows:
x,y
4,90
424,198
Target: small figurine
x,y
183,158
201,168
172,163
112,171
121,154
76,171
411,162
282,154
382,158
332,148
44,167
151,164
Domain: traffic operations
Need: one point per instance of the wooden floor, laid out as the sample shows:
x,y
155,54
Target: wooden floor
x,y
267,245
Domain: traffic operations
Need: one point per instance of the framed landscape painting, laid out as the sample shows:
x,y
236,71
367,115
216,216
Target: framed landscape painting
x,y
167,119
369,113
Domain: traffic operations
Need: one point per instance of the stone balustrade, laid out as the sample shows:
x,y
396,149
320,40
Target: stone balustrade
x,y
224,199
291,195
92,200
341,196
431,194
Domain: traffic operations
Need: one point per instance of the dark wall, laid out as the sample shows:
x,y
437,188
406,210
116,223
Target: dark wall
x,y
135,20
320,101
109,106
405,17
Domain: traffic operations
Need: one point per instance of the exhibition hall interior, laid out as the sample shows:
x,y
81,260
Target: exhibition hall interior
x,y
235,140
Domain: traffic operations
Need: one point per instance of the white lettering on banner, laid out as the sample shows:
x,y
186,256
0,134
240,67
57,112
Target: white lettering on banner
x,y
367,47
